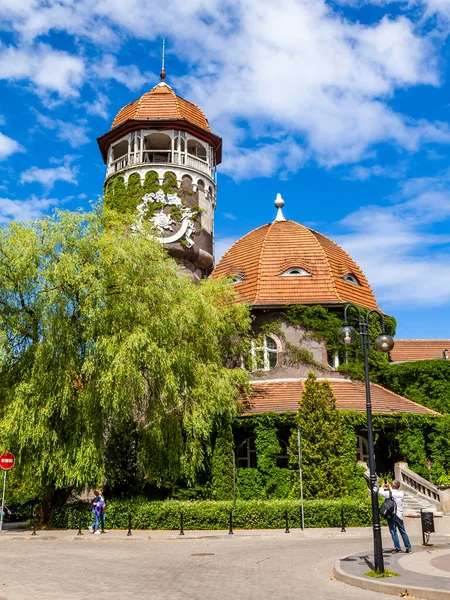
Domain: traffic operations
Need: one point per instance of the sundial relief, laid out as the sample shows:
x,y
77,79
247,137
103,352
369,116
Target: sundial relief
x,y
172,226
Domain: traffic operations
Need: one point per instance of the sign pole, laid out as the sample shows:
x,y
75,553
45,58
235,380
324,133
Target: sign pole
x,y
301,475
3,502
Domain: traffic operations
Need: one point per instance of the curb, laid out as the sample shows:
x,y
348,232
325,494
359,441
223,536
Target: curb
x,y
382,587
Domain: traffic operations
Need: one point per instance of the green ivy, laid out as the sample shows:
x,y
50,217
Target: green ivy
x,y
222,470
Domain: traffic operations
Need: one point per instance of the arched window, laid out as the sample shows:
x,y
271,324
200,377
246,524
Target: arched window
x,y
186,183
265,355
201,185
157,148
295,272
246,454
196,149
350,278
283,458
362,449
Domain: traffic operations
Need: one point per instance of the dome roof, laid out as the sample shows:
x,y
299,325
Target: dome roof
x,y
287,263
161,103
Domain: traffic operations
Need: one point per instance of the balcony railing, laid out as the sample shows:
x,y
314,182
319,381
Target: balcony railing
x,y
159,157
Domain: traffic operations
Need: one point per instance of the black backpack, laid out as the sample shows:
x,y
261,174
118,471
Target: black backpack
x,y
388,509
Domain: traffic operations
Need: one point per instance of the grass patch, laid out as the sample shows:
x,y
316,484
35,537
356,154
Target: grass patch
x,y
385,573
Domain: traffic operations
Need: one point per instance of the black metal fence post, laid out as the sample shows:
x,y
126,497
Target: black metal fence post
x,y
181,524
79,524
230,531
129,524
287,522
34,524
342,521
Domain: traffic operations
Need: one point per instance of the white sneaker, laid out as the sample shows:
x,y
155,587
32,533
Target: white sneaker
x,y
98,532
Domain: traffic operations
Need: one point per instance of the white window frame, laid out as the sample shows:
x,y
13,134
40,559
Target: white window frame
x,y
350,278
296,272
266,352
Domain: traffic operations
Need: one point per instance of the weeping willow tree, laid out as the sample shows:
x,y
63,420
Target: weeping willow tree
x,y
99,329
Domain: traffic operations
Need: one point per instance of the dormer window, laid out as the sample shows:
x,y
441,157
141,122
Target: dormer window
x,y
296,272
351,279
237,278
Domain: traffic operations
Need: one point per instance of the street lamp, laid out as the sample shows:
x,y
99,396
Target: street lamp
x,y
384,343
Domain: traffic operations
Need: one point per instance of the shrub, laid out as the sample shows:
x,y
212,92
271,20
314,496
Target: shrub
x,y
251,514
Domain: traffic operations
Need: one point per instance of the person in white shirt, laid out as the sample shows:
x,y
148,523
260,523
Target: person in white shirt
x,y
397,519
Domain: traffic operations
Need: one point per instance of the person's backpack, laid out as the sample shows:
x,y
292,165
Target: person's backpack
x,y
388,509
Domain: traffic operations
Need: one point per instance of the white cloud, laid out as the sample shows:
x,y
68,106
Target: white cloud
x,y
403,259
24,210
108,68
48,177
74,134
363,173
229,216
221,245
8,146
48,69
299,80
98,107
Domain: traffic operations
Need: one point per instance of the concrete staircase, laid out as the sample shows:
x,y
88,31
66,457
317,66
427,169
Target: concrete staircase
x,y
413,504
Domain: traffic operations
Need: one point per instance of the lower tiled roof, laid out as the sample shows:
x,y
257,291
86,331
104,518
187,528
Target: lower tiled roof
x,y
410,350
283,396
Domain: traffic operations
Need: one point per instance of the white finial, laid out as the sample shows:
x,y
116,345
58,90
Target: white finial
x,y
279,203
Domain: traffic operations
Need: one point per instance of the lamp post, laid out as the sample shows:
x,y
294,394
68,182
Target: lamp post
x,y
384,343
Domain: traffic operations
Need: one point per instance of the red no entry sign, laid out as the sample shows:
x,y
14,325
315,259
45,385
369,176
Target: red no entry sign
x,y
7,461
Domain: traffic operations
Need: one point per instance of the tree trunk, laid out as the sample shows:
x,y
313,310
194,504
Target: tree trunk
x,y
53,499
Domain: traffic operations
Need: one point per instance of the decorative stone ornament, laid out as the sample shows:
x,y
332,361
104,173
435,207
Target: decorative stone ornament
x,y
164,221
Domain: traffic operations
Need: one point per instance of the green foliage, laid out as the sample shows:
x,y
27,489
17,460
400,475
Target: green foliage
x,y
222,469
98,329
385,573
413,448
426,382
117,196
323,324
250,484
151,182
328,445
253,514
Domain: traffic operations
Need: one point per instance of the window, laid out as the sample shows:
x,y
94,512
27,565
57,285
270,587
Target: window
x,y
237,278
351,279
283,458
362,450
296,272
264,356
246,454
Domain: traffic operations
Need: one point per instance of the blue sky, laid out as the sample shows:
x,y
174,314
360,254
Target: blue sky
x,y
342,106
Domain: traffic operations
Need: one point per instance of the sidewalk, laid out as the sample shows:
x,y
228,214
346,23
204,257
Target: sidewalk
x,y
425,573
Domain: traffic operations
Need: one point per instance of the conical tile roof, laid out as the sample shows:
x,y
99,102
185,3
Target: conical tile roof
x,y
161,103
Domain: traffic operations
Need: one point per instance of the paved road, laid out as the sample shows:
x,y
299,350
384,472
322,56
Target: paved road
x,y
210,568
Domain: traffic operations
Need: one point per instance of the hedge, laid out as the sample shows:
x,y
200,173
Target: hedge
x,y
208,515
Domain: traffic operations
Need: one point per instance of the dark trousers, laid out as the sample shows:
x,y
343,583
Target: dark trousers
x,y
395,523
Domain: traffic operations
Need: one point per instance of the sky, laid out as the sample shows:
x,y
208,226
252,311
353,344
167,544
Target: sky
x,y
343,107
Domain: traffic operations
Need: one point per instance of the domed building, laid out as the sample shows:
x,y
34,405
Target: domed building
x,y
293,277
161,158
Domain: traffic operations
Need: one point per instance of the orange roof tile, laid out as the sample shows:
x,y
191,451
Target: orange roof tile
x,y
283,396
410,350
161,103
265,253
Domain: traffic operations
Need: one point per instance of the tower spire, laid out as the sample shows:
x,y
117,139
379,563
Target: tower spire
x,y
163,72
